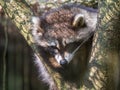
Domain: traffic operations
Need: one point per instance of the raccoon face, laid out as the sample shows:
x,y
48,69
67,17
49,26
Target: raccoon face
x,y
58,28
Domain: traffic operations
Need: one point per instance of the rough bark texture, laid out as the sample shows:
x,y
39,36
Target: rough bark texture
x,y
103,67
21,14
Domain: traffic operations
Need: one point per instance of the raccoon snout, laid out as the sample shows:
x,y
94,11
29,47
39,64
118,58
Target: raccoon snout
x,y
63,62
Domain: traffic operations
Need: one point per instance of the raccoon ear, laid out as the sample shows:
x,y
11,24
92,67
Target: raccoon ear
x,y
78,20
36,29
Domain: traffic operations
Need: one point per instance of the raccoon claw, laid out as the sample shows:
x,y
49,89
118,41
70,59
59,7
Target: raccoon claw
x,y
63,62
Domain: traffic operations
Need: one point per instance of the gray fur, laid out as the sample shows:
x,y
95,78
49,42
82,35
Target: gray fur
x,y
58,27
45,76
47,28
54,29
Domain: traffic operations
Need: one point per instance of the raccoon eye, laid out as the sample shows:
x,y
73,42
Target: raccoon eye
x,y
53,47
52,50
54,44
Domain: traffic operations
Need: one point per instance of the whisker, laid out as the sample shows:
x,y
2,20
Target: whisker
x,y
73,53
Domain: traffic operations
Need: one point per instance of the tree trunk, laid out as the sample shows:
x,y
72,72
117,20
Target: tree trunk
x,y
103,67
21,14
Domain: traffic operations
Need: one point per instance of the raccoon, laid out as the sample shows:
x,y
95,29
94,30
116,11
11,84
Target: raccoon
x,y
58,30
59,27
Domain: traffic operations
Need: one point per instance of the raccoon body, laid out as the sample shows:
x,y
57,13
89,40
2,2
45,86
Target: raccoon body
x,y
59,32
57,28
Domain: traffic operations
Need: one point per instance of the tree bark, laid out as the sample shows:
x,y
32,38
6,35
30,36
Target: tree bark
x,y
21,14
103,67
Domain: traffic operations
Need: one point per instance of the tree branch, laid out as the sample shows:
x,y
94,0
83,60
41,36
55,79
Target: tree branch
x,y
103,71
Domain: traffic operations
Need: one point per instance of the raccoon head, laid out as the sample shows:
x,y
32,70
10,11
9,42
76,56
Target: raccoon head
x,y
58,28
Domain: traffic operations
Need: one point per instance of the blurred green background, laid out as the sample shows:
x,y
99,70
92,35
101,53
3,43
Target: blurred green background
x,y
21,72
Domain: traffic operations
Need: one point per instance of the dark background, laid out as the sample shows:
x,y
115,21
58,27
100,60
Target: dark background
x,y
21,72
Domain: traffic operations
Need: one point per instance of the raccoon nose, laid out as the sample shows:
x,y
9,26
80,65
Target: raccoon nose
x,y
63,62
